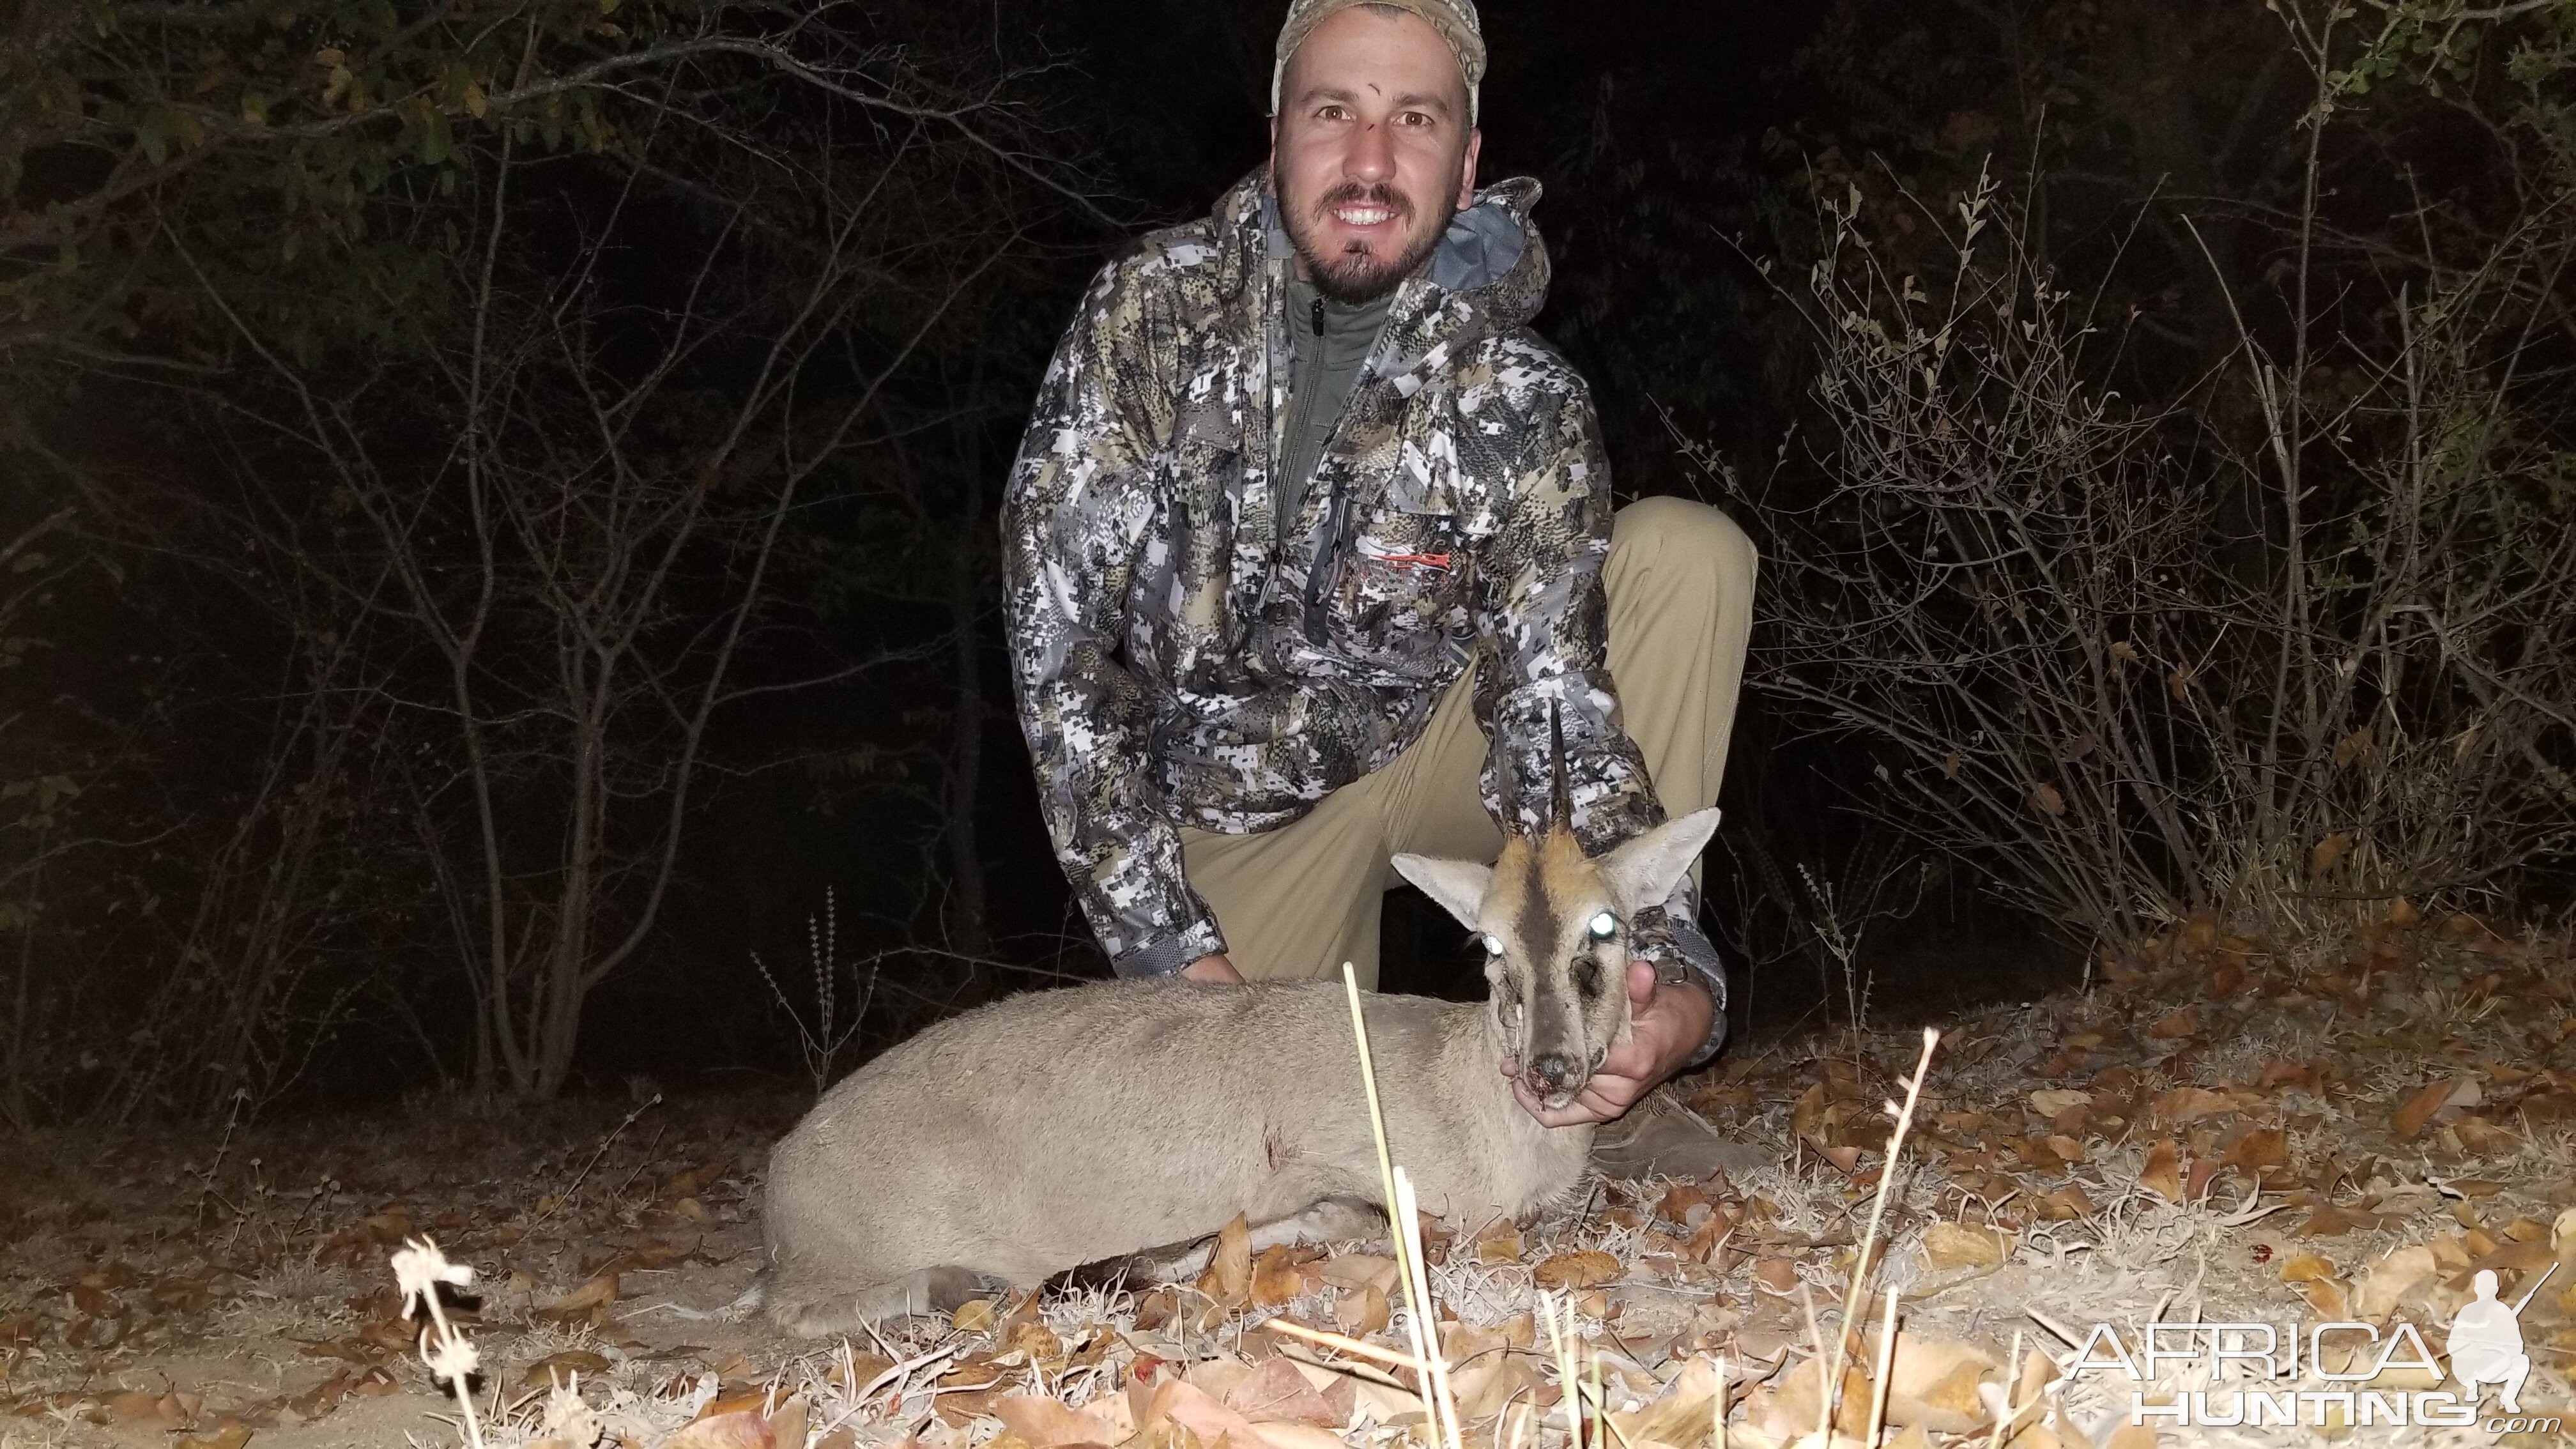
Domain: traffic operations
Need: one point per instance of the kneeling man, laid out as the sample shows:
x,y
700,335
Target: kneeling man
x,y
1310,533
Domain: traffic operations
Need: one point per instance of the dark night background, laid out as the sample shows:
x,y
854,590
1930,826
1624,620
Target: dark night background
x,y
237,849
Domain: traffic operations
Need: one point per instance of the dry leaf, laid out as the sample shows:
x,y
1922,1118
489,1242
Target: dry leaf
x,y
2178,1023
2066,1204
2419,1109
2162,1174
1216,1377
1799,1399
135,1406
1932,1384
2323,855
2190,1104
232,1434
787,1426
1035,1340
560,1367
1283,1434
2484,1138
1497,1242
1276,1391
741,1429
1361,1311
1275,1278
1956,1245
2305,1268
2333,1222
975,1315
1568,1271
2050,1101
1681,1416
1483,1387
2327,1296
1228,1278
1191,1407
1358,1270
1044,1423
591,1299
2259,1148
2047,800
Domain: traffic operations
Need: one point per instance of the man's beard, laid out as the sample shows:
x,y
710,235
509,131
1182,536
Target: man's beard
x,y
1356,276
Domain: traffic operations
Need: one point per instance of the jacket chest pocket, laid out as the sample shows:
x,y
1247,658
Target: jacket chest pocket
x,y
1405,579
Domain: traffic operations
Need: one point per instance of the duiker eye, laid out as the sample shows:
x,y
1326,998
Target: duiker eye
x,y
1604,926
1493,945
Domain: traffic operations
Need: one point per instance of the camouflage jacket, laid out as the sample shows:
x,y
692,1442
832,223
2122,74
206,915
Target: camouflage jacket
x,y
1178,662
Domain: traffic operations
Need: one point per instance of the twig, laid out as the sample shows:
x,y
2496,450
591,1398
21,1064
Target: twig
x,y
420,1268
1345,1344
1856,1296
565,1197
1886,1367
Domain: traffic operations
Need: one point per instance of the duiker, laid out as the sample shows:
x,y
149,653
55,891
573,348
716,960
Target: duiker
x,y
1062,1128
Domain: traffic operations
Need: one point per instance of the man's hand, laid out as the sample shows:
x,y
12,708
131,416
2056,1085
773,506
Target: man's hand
x,y
1666,1024
1213,968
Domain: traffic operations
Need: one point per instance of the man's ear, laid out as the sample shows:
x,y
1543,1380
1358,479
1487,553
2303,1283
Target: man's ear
x,y
1643,871
1458,885
1467,168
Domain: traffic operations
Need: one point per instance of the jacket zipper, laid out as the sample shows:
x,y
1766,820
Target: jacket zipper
x,y
1328,556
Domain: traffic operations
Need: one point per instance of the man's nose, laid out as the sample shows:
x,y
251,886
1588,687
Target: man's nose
x,y
1371,157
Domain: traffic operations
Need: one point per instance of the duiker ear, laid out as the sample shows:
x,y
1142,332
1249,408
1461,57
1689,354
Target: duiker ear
x,y
1458,885
1644,871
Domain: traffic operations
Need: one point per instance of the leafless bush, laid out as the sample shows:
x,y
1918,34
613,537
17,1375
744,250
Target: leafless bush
x,y
2017,586
575,564
825,1032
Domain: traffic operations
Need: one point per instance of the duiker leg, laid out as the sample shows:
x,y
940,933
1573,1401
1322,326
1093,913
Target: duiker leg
x,y
816,1305
1334,1220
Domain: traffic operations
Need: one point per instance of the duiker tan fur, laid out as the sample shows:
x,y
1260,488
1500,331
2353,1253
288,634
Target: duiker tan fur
x,y
1061,1128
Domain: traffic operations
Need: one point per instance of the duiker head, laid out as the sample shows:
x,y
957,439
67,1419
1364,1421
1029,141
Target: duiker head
x,y
1555,924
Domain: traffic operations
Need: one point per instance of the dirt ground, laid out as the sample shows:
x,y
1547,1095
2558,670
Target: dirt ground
x,y
2225,1129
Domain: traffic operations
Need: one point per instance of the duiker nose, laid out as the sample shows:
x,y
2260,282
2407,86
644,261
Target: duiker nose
x,y
1553,1072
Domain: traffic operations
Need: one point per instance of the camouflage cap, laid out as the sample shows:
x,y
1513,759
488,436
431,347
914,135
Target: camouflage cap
x,y
1454,19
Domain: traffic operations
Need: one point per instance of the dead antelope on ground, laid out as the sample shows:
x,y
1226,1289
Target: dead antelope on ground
x,y
1130,1119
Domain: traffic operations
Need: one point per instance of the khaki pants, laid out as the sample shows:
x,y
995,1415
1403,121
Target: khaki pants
x,y
1297,902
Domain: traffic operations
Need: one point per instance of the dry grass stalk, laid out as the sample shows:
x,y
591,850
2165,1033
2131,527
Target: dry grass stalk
x,y
1406,1223
1886,1369
420,1268
1717,1408
2012,1379
1857,1294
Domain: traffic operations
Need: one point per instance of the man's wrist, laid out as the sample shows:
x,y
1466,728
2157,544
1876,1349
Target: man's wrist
x,y
1167,955
1693,961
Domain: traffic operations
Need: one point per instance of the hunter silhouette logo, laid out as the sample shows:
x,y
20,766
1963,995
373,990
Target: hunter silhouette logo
x,y
2486,1341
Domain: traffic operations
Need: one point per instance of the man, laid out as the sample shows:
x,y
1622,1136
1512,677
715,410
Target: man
x,y
1306,515
2486,1343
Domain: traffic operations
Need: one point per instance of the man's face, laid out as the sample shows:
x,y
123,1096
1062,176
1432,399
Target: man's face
x,y
1371,153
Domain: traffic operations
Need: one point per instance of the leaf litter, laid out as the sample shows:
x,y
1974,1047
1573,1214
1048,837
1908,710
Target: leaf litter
x,y
2218,1130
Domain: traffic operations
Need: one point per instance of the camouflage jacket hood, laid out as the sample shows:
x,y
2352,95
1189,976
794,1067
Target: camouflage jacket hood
x,y
1178,662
